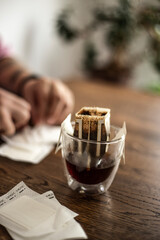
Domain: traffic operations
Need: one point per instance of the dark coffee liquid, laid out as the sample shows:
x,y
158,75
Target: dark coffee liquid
x,y
92,175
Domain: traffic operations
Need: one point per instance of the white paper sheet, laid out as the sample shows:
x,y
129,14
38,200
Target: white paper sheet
x,y
27,212
30,145
70,230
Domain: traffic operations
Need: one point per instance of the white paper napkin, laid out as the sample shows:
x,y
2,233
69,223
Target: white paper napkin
x,y
31,144
59,224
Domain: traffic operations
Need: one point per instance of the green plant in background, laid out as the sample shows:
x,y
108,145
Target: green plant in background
x,y
120,26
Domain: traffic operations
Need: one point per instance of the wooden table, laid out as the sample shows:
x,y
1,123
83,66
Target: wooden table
x,y
131,207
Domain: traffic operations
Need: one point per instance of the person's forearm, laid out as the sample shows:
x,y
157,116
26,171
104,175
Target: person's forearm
x,y
11,74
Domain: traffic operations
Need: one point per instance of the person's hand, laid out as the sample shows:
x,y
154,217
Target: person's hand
x,y
50,100
14,112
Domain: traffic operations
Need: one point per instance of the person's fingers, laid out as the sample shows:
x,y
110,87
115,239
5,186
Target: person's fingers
x,y
20,102
7,126
66,110
43,102
15,112
60,105
20,116
57,102
50,100
37,96
32,99
56,115
54,100
14,99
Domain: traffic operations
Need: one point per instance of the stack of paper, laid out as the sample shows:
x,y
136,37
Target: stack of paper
x,y
28,215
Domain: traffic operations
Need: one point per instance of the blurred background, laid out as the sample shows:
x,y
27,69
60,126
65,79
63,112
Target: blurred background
x,y
117,41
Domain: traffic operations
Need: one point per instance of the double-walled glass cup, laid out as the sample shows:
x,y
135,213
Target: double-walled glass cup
x,y
91,166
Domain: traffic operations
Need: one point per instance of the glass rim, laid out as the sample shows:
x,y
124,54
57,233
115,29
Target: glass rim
x,y
94,141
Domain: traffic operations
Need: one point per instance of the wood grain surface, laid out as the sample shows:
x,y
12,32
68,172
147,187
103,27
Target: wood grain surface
x,y
131,207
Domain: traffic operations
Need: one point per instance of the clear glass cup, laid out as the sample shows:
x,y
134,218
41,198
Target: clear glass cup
x,y
91,166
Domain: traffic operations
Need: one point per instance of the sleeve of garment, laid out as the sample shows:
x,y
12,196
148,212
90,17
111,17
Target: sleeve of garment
x,y
4,51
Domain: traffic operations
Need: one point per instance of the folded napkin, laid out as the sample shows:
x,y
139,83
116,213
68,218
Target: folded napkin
x,y
28,215
32,144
